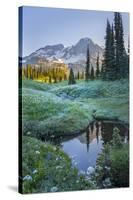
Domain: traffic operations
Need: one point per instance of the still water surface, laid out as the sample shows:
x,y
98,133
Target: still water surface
x,y
84,148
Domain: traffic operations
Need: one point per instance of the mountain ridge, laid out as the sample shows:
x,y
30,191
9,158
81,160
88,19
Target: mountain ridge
x,y
74,55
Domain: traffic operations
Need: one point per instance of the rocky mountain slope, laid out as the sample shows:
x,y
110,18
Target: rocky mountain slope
x,y
74,56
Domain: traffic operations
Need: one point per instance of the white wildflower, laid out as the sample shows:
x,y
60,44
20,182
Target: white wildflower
x,y
59,167
55,148
88,178
75,163
54,189
107,168
90,170
107,182
99,168
37,152
35,171
82,172
28,178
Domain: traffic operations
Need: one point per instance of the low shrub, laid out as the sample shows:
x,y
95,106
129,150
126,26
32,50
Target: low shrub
x,y
112,169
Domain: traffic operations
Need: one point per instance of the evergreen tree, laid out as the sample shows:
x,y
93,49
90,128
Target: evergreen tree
x,y
113,69
78,75
50,79
121,56
97,67
125,72
106,62
87,139
101,72
128,58
87,70
71,78
60,78
55,79
109,70
115,63
92,73
117,29
82,74
65,77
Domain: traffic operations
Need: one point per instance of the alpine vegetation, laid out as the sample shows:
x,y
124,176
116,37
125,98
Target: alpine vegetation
x,y
74,101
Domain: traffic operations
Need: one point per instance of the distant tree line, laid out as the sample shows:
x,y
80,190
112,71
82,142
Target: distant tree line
x,y
45,74
89,73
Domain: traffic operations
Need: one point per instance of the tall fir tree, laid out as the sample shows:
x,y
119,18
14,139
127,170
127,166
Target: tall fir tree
x,y
92,76
117,30
109,67
87,69
97,67
121,56
128,58
106,61
71,78
102,70
82,75
113,69
78,75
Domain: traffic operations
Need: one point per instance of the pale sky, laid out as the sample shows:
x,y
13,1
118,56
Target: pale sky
x,y
48,26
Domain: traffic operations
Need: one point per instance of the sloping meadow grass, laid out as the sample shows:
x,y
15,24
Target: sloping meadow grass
x,y
93,89
59,109
45,113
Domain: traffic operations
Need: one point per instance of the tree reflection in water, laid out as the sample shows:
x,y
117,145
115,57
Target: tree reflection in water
x,y
87,145
103,130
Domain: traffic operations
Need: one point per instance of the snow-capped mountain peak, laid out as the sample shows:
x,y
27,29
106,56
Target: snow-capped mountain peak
x,y
71,55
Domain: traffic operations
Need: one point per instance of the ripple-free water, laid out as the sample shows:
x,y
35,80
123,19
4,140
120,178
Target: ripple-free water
x,y
85,148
